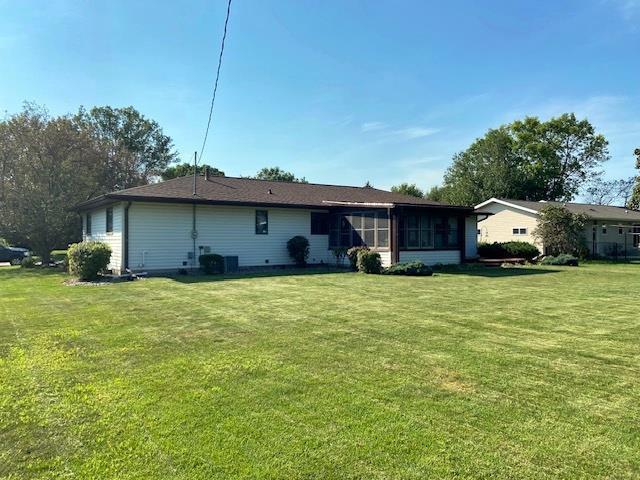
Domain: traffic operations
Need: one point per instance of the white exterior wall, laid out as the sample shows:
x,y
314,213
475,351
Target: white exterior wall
x,y
471,237
160,235
99,233
431,257
385,258
499,226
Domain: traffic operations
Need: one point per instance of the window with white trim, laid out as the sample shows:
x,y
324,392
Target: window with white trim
x,y
519,231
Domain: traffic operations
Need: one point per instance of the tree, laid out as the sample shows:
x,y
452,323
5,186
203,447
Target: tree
x,y
48,166
529,160
561,231
137,148
408,189
279,175
634,201
184,169
609,192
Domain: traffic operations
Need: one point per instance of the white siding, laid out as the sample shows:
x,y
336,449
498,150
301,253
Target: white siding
x,y
99,232
160,235
499,226
431,257
471,237
385,257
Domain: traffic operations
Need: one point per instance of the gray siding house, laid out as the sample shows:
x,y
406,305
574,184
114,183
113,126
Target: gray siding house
x,y
166,226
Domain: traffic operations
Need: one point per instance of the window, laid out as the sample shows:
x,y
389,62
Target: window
x,y
636,235
109,220
262,222
620,231
88,224
519,231
604,229
319,223
369,228
428,232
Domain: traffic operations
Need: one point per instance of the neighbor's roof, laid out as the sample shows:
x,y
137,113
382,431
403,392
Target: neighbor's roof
x,y
598,212
247,191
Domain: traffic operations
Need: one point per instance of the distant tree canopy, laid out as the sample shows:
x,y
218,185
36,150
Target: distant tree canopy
x,y
49,164
634,201
277,174
408,189
184,169
561,231
527,159
610,192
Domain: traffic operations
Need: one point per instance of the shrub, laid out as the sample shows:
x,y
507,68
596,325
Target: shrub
x,y
562,259
211,263
298,248
352,253
414,269
369,262
340,253
88,259
524,250
58,255
28,262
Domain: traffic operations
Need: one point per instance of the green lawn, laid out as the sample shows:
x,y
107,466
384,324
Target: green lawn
x,y
523,373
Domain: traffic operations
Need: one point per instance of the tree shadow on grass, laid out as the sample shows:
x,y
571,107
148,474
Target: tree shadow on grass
x,y
267,273
495,272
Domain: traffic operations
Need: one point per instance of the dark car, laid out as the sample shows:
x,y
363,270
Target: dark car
x,y
13,255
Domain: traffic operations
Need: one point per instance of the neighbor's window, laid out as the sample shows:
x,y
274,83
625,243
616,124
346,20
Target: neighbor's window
x,y
262,222
109,220
620,232
88,224
319,223
519,231
604,229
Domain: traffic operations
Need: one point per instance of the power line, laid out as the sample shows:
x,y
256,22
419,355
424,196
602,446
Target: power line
x,y
215,87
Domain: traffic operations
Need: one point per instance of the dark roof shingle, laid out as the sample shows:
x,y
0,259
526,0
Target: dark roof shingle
x,y
598,212
231,190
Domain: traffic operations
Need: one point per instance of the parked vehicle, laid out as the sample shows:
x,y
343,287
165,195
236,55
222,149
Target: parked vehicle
x,y
13,255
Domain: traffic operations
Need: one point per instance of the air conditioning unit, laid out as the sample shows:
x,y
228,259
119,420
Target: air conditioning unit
x,y
230,263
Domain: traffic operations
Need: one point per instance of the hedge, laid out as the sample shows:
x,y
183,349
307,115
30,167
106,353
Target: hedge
x,y
87,260
369,262
562,259
414,269
352,254
211,263
524,250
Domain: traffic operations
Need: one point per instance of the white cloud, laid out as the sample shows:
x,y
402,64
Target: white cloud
x,y
372,126
411,133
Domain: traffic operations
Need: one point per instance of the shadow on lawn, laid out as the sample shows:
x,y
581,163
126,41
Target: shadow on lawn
x,y
495,272
267,273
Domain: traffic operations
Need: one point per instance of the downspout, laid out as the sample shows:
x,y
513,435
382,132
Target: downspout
x,y
462,237
194,235
125,253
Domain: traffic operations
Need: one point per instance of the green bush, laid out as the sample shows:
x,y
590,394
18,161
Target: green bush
x,y
524,250
369,262
211,263
414,269
298,248
352,254
28,262
562,259
87,260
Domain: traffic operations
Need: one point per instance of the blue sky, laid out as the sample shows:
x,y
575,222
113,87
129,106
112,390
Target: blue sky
x,y
339,92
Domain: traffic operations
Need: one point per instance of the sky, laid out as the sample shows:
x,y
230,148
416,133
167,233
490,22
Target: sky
x,y
339,92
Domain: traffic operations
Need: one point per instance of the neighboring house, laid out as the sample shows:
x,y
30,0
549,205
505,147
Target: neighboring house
x,y
610,232
166,226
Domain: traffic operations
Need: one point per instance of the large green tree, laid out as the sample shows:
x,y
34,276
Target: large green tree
x,y
561,231
137,148
408,189
277,174
634,201
184,169
527,159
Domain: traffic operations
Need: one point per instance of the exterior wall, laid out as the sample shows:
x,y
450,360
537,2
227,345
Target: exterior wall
x,y
385,257
160,235
431,257
611,243
99,232
499,226
470,237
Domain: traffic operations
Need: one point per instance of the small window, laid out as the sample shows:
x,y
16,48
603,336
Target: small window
x,y
262,222
109,220
88,224
519,231
620,231
478,231
319,223
604,229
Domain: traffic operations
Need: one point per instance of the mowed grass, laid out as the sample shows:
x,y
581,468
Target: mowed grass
x,y
522,373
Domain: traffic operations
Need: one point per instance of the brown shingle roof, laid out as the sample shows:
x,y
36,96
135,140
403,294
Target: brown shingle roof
x,y
231,190
597,212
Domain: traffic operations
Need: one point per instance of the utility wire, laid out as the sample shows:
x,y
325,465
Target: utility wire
x,y
215,87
